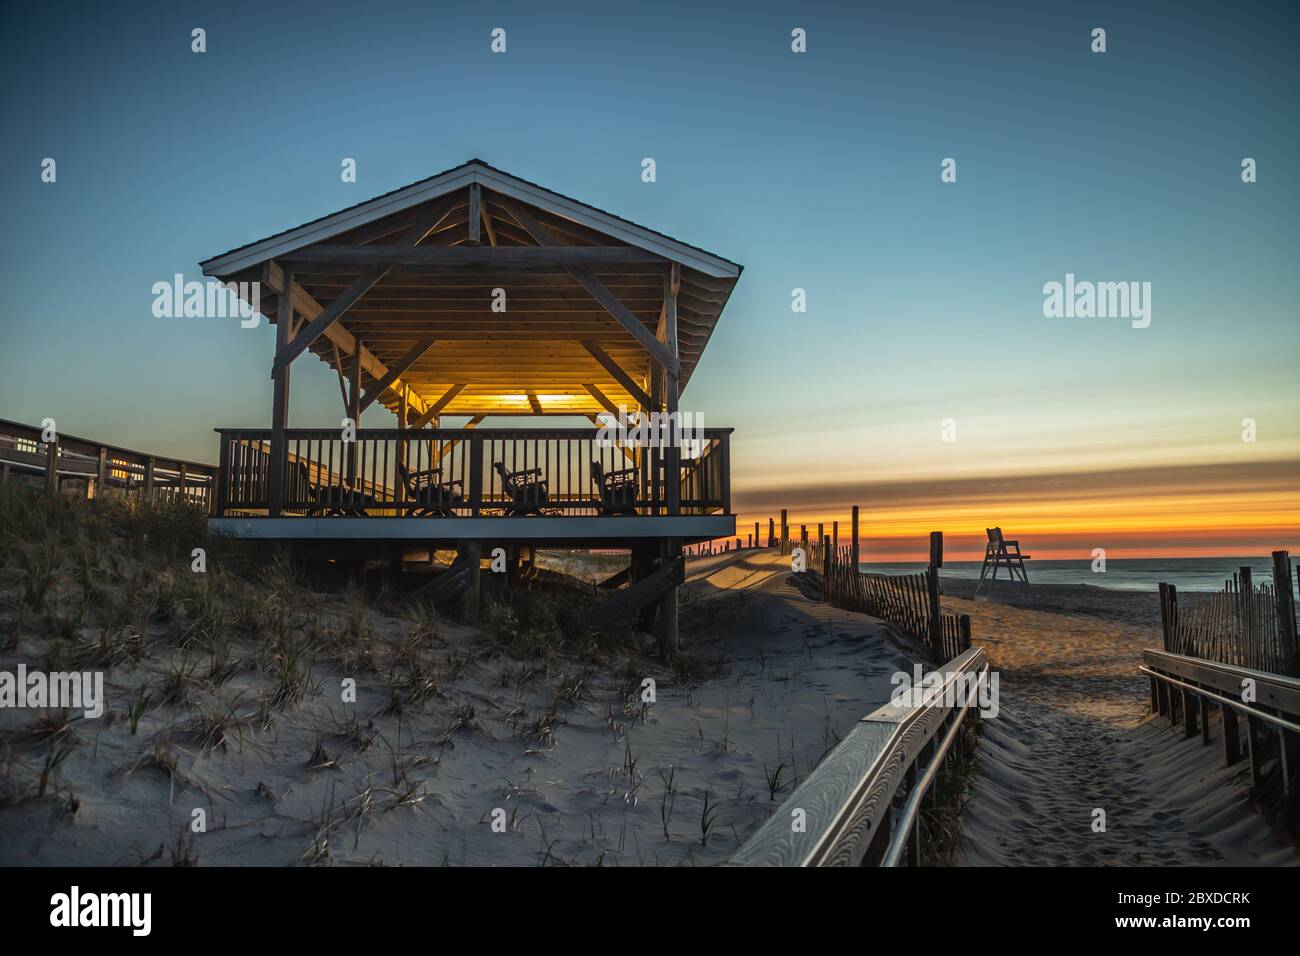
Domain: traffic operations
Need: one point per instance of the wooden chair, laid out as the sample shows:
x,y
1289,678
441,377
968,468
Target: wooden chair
x,y
617,489
526,490
428,495
1001,553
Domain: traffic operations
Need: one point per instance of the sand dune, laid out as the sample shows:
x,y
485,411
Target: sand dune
x,y
560,744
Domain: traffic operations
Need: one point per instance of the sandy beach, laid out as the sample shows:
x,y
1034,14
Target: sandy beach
x,y
451,726
1073,737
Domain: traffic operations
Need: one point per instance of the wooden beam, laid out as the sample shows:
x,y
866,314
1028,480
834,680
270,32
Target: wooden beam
x,y
436,408
354,413
472,258
280,405
672,385
413,354
534,401
273,276
602,399
333,312
631,599
627,319
620,376
487,225
348,297
597,289
447,447
343,383
475,216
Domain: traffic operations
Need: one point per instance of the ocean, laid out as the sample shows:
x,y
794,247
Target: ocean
x,y
1121,574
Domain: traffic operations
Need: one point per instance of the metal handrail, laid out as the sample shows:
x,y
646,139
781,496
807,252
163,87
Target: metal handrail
x,y
903,826
1245,708
850,794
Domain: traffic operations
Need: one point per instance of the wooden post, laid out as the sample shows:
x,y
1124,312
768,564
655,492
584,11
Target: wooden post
x,y
857,556
52,464
771,532
181,478
835,537
471,552
223,477
757,539
1254,731
672,548
803,540
1231,736
475,475
354,413
673,457
1189,714
785,533
101,473
932,585
1284,602
149,466
280,401
826,569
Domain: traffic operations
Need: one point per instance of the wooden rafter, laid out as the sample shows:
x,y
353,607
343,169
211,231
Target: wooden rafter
x,y
434,410
414,353
617,373
597,289
360,286
274,278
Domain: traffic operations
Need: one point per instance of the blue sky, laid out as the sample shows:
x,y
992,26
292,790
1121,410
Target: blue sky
x,y
818,171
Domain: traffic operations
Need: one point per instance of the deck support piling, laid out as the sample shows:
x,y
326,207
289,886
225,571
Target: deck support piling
x,y
471,552
672,551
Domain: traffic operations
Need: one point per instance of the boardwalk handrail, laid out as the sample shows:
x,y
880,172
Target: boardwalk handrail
x,y
23,449
847,802
1183,688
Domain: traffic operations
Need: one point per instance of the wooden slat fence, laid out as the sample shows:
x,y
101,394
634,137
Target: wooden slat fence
x,y
1242,624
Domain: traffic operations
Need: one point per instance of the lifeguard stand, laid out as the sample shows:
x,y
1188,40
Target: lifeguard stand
x,y
1001,553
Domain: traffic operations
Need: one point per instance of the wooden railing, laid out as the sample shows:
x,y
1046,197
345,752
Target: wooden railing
x,y
1186,689
1243,624
98,467
323,467
860,806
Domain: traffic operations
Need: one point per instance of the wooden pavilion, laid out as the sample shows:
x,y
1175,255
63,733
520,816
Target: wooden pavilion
x,y
471,295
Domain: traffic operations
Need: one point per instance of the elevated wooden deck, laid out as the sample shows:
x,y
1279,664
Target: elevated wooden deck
x,y
376,487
